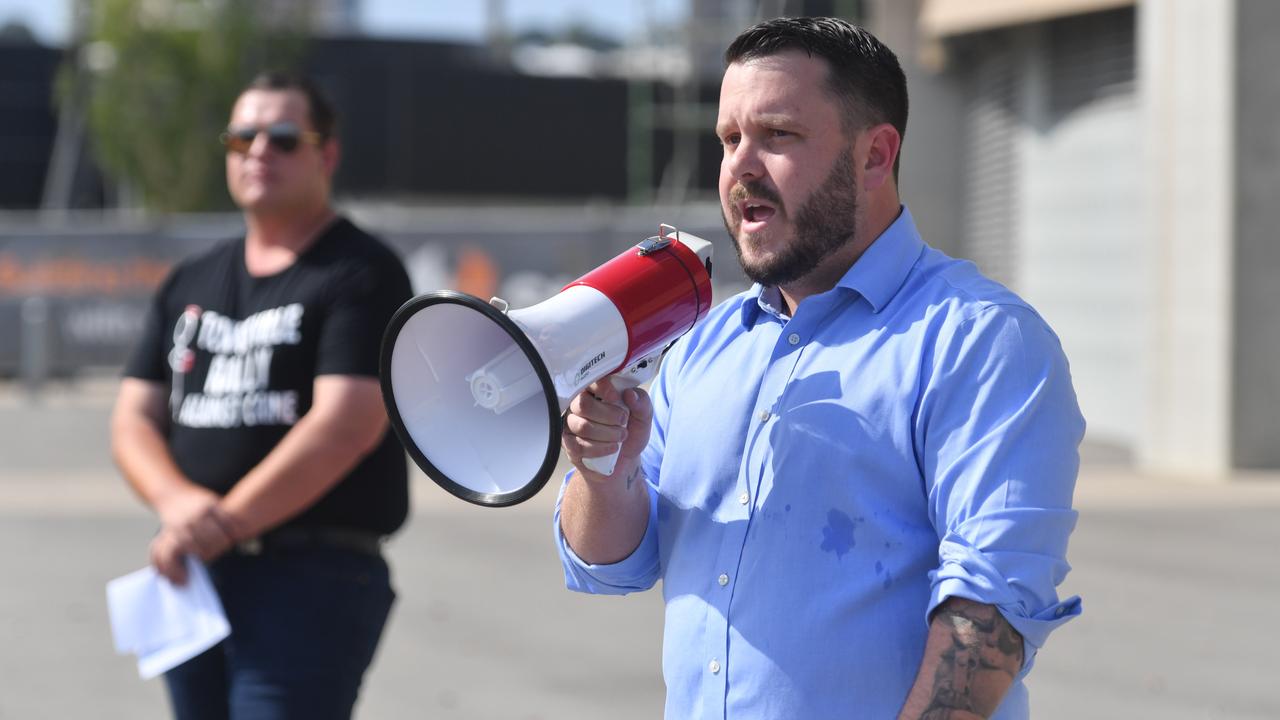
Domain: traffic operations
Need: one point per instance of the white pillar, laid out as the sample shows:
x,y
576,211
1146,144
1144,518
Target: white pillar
x,y
1186,84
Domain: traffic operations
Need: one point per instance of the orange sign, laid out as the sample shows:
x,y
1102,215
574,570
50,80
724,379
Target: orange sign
x,y
79,276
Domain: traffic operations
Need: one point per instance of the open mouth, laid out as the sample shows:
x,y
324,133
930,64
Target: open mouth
x,y
755,213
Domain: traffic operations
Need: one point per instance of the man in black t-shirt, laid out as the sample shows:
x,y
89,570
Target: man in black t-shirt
x,y
250,420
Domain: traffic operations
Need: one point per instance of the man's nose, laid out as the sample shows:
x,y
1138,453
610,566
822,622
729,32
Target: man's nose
x,y
260,145
744,162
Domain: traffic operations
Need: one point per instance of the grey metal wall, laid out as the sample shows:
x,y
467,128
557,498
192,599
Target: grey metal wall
x,y
1082,253
1053,194
991,152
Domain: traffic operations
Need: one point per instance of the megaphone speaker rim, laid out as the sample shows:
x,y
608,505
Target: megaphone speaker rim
x,y
402,316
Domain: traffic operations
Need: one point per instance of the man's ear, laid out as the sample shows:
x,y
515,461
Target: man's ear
x,y
331,151
880,146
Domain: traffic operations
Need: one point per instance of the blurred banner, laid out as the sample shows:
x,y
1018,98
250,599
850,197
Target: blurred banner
x,y
74,299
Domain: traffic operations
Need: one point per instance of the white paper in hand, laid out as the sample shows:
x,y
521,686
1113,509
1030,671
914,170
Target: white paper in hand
x,y
163,624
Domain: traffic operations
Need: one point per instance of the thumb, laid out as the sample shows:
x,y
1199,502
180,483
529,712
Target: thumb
x,y
638,424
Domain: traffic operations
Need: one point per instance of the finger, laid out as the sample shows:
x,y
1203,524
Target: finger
x,y
167,558
180,543
209,534
639,406
606,409
605,391
210,538
569,444
578,447
585,429
639,426
235,528
177,569
598,410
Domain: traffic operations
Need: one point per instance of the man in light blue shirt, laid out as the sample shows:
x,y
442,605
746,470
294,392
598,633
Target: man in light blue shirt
x,y
854,480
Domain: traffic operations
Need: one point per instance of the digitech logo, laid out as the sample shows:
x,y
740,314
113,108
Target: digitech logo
x,y
582,371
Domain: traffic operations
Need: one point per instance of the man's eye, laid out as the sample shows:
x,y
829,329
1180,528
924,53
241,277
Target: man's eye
x,y
731,139
779,133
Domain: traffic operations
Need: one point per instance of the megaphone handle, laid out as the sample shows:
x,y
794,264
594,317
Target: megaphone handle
x,y
631,376
605,464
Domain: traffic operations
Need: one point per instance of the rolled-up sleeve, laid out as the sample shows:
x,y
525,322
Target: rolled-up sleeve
x,y
999,431
638,571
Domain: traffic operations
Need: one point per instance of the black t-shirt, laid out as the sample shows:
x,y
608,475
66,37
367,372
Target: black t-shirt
x,y
239,353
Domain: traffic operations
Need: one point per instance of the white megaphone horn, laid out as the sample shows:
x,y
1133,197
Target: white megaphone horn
x,y
477,392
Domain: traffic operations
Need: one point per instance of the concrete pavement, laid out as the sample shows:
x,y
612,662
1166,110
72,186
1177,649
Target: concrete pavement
x,y
1179,581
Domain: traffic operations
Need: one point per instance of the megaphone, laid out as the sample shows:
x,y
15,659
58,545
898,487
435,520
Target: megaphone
x,y
476,391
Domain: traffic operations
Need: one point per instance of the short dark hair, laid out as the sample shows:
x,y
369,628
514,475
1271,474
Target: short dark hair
x,y
864,75
319,110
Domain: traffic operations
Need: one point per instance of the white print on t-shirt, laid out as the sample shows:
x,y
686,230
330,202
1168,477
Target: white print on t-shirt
x,y
238,373
236,388
181,358
228,411
278,326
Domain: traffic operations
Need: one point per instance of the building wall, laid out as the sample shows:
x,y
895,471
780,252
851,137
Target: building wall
x,y
930,174
1049,186
1080,254
1186,69
1256,364
1121,170
993,85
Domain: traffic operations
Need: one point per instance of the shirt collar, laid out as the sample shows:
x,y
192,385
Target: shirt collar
x,y
876,276
883,267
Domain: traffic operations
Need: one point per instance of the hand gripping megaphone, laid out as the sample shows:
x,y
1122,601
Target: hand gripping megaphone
x,y
476,392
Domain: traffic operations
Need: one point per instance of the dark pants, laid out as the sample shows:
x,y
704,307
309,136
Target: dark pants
x,y
304,626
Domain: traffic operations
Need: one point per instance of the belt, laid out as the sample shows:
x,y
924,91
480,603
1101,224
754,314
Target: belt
x,y
295,538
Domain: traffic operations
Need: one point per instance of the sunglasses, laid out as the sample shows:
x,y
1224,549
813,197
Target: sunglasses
x,y
282,136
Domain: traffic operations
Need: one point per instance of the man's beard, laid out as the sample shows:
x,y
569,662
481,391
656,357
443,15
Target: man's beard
x,y
824,224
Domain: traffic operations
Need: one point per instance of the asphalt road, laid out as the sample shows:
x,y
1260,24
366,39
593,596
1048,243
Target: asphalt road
x,y
1180,581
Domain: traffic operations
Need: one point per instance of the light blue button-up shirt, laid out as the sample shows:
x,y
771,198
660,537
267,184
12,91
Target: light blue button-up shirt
x,y
820,483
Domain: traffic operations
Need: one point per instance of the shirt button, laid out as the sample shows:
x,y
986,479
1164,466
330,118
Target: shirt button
x,y
1060,611
723,579
744,498
714,666
764,415
794,338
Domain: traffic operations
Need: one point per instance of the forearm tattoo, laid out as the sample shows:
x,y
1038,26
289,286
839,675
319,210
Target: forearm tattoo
x,y
984,656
